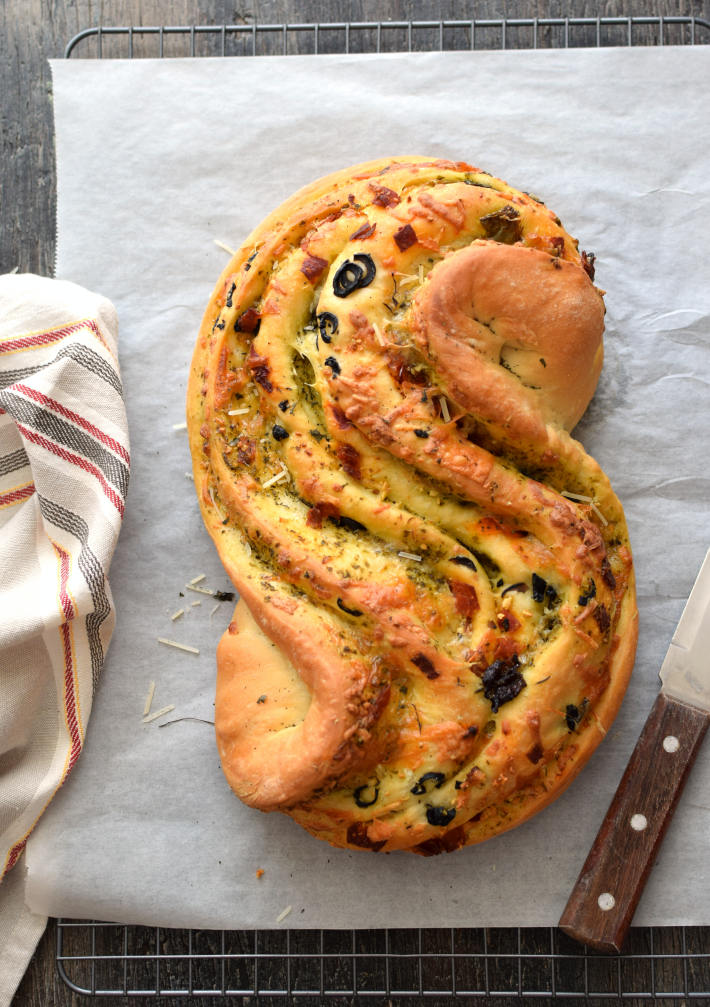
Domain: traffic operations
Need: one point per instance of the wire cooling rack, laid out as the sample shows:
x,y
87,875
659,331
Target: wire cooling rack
x,y
398,967
385,36
383,966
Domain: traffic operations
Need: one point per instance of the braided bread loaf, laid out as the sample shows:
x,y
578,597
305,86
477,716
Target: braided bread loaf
x,y
437,619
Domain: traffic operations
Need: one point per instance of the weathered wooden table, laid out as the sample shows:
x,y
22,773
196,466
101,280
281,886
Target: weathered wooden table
x,y
666,964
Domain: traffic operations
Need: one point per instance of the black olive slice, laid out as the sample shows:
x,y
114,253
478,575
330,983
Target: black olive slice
x,y
420,787
369,265
348,522
440,816
351,275
538,587
502,681
350,611
464,561
347,278
327,325
362,801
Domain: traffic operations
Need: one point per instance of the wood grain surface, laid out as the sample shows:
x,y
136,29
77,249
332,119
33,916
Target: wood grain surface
x,y
610,884
33,31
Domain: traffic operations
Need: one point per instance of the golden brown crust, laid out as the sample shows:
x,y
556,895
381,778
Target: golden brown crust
x,y
438,619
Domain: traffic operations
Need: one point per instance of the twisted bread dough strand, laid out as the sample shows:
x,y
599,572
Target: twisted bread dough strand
x,y
437,621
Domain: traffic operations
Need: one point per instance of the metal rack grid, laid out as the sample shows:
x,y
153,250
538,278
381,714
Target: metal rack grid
x,y
384,36
659,964
396,966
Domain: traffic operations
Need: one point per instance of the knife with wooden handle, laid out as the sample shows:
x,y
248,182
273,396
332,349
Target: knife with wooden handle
x,y
607,891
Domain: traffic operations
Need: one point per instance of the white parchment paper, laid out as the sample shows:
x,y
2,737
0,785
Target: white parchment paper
x,y
158,159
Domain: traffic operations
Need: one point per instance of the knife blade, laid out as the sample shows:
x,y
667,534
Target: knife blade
x,y
603,901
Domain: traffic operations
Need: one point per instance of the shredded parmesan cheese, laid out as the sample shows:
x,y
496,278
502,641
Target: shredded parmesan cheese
x,y
406,279
158,713
283,914
580,498
195,603
149,699
199,590
378,335
599,514
445,414
179,646
214,610
179,426
238,412
199,578
598,724
283,474
410,555
225,248
176,615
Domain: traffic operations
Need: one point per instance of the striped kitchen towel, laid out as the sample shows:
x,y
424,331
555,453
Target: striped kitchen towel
x,y
64,467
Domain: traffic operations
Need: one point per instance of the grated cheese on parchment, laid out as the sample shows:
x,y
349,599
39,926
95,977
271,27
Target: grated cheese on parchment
x,y
179,426
283,914
149,699
176,615
158,713
178,646
199,590
225,248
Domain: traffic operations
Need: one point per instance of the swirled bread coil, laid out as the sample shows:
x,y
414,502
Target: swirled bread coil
x,y
437,619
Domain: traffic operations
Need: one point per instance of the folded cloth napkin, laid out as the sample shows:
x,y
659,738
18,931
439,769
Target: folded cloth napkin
x,y
64,467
